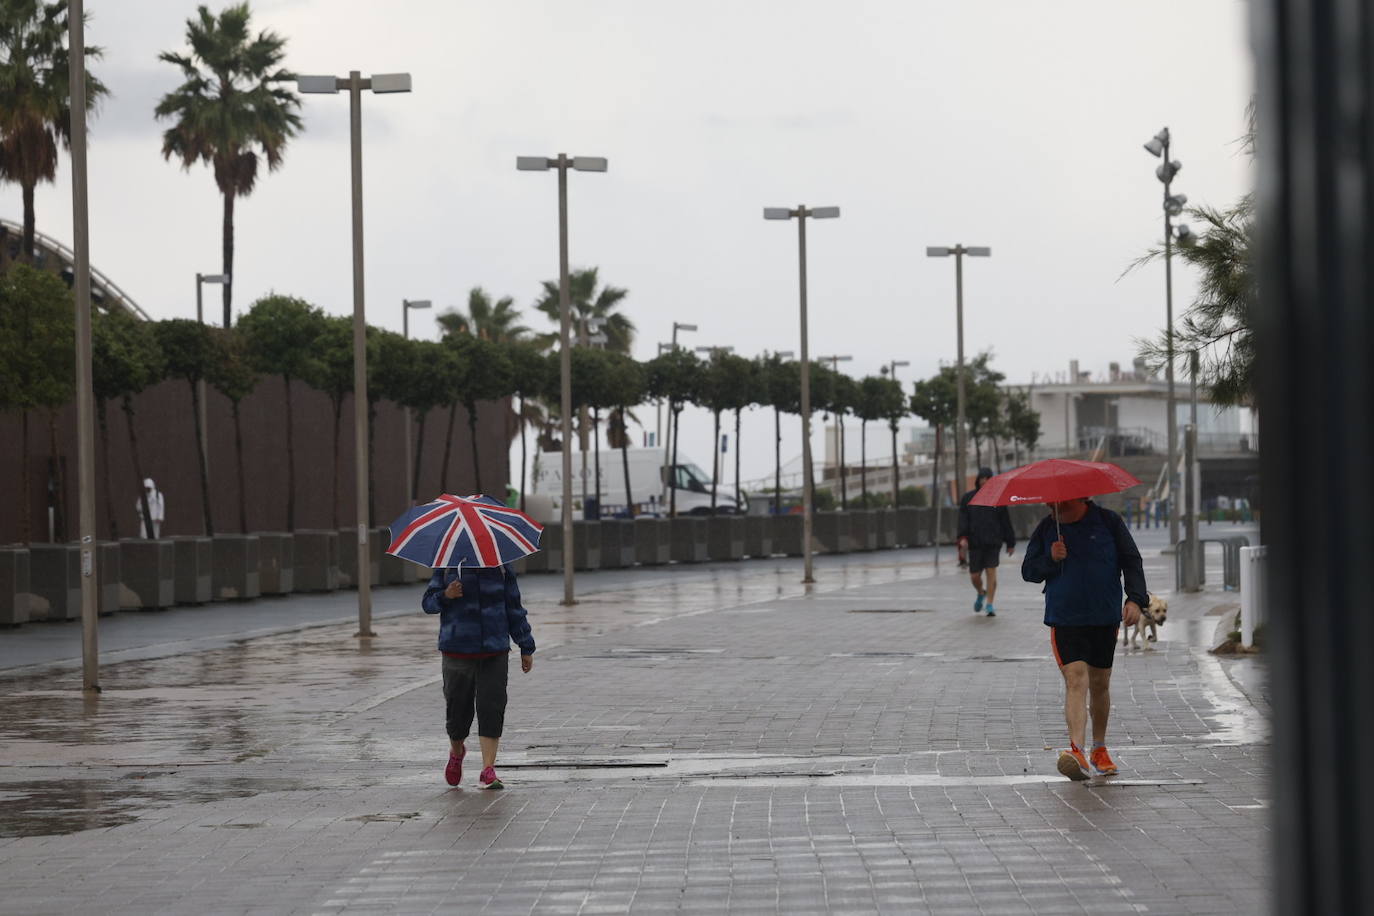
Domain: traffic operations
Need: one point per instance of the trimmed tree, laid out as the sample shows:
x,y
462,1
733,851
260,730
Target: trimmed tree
x,y
37,339
935,400
675,376
125,359
282,335
727,384
232,375
188,348
781,381
879,399
332,372
626,382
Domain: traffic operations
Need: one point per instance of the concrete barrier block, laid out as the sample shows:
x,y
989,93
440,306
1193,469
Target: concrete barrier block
x,y
884,529
148,570
234,573
195,558
831,531
909,532
107,576
549,558
55,578
862,533
758,536
653,541
725,537
15,598
586,545
787,533
348,556
276,562
617,543
689,539
315,553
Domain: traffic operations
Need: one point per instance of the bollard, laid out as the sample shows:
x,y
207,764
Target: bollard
x,y
1252,593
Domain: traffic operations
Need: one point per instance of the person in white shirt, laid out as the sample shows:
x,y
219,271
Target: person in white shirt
x,y
156,509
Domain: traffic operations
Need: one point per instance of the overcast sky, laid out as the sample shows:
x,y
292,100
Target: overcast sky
x,y
1017,125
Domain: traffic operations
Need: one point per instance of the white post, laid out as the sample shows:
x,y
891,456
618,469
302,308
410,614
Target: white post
x,y
1252,593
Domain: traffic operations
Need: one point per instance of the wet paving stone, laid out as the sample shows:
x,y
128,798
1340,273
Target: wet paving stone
x,y
713,738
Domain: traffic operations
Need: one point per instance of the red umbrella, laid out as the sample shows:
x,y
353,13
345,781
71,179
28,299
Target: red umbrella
x,y
1051,481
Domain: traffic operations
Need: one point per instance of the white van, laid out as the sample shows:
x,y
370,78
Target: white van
x,y
647,488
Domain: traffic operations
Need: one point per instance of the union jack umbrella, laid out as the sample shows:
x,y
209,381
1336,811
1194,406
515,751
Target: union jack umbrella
x,y
463,531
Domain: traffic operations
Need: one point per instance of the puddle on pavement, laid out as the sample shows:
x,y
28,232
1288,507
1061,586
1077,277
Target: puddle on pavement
x,y
56,807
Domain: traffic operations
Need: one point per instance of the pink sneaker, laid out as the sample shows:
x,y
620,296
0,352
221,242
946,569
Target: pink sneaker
x,y
489,779
453,773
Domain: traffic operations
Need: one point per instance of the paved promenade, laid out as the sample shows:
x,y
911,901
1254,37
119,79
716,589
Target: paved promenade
x,y
692,739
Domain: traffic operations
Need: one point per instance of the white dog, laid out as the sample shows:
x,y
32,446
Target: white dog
x,y
1152,617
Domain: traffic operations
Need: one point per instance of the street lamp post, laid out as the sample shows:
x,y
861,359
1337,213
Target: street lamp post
x,y
669,498
406,306
960,445
355,83
201,280
891,371
1158,146
562,164
839,428
800,214
85,399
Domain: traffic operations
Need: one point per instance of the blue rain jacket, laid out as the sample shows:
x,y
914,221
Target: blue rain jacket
x,y
487,618
1085,589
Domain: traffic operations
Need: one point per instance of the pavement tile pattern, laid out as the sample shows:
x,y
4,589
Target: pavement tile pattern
x,y
697,739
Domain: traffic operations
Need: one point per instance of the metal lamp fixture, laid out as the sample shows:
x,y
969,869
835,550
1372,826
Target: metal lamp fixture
x,y
800,214
1158,146
355,83
563,163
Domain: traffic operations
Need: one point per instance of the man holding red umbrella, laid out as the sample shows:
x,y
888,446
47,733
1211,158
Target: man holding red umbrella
x,y
1083,553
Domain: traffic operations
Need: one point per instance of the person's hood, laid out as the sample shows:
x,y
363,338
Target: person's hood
x,y
148,484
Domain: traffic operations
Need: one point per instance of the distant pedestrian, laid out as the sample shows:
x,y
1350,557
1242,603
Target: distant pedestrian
x,y
1082,552
156,509
983,530
480,614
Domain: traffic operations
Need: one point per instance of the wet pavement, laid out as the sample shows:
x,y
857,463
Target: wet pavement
x,y
693,738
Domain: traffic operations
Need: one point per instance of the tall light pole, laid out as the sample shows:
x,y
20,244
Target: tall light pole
x,y
1158,146
668,439
201,280
562,164
355,83
406,306
834,362
658,403
85,400
890,370
958,251
800,214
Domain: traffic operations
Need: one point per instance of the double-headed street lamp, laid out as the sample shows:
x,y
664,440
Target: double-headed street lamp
x,y
201,280
411,476
834,362
562,163
958,251
355,83
668,498
800,214
890,370
1158,146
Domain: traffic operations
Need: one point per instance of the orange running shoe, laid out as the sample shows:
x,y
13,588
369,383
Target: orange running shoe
x,y
1102,762
1073,764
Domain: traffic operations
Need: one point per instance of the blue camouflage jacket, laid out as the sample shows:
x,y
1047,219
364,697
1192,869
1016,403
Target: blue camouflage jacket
x,y
488,616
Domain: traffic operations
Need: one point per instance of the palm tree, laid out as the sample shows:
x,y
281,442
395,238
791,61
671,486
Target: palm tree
x,y
497,321
229,107
35,97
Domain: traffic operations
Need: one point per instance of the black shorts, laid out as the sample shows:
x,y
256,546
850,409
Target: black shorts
x,y
981,557
1094,645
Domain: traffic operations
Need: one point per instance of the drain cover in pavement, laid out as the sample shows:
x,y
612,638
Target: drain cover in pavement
x,y
893,610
